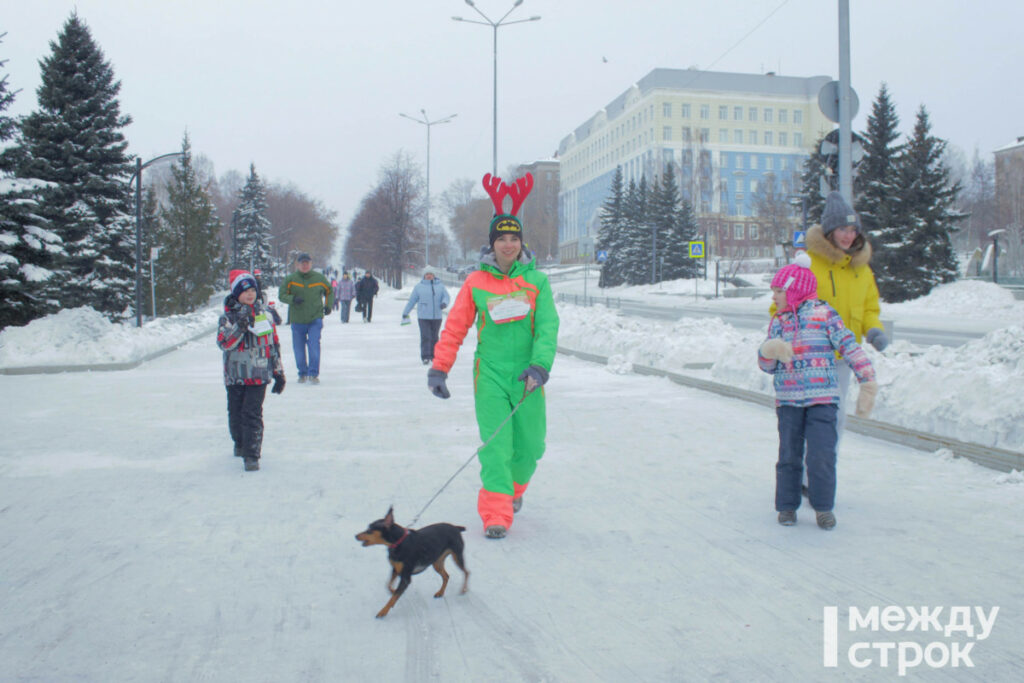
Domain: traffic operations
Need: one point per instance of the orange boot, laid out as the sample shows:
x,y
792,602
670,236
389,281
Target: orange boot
x,y
496,512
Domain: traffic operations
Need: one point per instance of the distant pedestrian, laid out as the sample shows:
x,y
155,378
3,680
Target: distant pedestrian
x,y
430,298
334,290
346,292
252,359
309,298
804,337
366,290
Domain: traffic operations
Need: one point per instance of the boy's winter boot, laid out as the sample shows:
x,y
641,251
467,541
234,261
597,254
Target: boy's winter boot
x,y
826,520
252,464
496,531
787,517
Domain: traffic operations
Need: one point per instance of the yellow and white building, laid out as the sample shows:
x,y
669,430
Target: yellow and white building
x,y
723,132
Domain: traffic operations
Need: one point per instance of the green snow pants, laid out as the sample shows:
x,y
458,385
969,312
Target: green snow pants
x,y
508,462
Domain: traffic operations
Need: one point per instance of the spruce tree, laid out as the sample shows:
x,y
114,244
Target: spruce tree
x,y
675,227
636,261
74,140
610,234
251,227
918,250
877,172
189,241
28,247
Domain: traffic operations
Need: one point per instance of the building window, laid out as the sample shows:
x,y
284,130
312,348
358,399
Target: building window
x,y
771,163
705,135
669,156
705,111
783,116
723,113
686,133
685,111
752,137
753,231
798,139
666,133
798,117
767,137
666,109
723,159
737,136
752,114
737,113
767,115
737,231
723,135
782,139
753,187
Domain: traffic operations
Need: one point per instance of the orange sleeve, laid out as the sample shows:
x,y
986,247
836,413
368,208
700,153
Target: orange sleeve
x,y
460,319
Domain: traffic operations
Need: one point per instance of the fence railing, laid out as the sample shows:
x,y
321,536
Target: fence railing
x,y
580,300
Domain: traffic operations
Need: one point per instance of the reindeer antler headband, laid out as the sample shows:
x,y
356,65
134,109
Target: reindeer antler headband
x,y
497,190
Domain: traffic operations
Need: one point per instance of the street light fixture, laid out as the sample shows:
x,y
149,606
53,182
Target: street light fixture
x,y
495,25
428,123
137,177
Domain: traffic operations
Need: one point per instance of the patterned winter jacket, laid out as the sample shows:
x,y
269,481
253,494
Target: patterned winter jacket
x,y
816,333
515,316
249,357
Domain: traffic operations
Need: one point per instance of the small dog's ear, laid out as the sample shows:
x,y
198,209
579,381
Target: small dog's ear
x,y
389,518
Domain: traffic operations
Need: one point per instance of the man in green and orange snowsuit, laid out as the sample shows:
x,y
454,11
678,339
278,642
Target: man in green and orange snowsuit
x,y
510,303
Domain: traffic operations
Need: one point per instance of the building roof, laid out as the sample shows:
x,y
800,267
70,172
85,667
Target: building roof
x,y
1018,144
707,81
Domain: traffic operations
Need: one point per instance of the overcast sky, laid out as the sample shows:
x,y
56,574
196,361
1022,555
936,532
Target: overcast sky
x,y
311,90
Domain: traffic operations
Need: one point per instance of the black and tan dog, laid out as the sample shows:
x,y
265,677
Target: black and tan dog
x,y
410,551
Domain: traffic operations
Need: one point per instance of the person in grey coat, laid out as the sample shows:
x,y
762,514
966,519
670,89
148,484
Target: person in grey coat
x,y
430,298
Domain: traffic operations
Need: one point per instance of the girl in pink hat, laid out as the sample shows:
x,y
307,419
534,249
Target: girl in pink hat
x,y
804,337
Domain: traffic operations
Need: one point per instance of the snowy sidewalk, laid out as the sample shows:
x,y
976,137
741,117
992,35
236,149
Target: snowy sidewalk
x,y
134,548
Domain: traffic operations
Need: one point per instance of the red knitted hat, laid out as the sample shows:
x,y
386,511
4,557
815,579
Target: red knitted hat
x,y
798,281
239,281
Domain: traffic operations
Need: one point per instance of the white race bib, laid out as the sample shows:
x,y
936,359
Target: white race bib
x,y
509,308
261,326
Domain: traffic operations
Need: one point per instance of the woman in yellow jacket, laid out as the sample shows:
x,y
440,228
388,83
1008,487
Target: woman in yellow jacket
x,y
840,256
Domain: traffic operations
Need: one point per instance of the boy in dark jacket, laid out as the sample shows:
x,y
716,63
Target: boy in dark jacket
x,y
252,358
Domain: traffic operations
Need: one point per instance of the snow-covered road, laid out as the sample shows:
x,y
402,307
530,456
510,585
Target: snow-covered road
x,y
134,548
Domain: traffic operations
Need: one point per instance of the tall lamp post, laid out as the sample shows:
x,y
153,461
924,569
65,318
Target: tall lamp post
x,y
428,123
495,25
137,178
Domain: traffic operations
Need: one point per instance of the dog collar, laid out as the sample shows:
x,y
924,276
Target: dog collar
x,y
399,541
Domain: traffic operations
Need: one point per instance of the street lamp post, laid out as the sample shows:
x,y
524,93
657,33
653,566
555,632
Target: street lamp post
x,y
428,123
137,177
495,25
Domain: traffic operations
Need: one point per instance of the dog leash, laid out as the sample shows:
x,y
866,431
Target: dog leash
x,y
471,458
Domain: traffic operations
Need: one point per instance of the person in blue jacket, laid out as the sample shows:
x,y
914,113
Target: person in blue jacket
x,y
430,298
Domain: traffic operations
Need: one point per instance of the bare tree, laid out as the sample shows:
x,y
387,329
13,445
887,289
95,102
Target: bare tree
x,y
771,203
387,232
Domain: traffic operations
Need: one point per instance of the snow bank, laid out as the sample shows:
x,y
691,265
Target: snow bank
x,y
963,299
82,336
971,393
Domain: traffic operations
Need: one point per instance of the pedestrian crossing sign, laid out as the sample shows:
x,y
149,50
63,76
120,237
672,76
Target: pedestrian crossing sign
x,y
696,249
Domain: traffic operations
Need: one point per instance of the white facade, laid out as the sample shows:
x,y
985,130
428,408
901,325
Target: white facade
x,y
723,132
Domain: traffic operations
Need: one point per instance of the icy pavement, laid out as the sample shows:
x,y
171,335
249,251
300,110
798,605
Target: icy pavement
x,y
134,548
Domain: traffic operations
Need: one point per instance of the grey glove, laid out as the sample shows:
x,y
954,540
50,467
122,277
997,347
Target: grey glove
x,y
535,372
876,337
436,383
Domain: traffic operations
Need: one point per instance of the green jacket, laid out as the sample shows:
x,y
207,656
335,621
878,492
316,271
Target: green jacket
x,y
515,317
315,292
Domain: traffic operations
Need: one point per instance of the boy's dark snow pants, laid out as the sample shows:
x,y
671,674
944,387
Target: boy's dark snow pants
x,y
245,418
